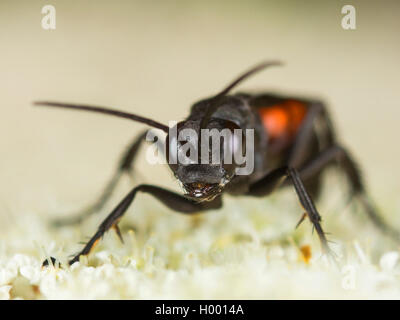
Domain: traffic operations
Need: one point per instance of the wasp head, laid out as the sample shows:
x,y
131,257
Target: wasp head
x,y
203,160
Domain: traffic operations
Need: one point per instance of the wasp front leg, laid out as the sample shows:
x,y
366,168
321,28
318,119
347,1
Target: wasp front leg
x,y
171,199
274,179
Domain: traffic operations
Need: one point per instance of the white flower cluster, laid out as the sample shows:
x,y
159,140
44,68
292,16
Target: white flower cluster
x,y
229,254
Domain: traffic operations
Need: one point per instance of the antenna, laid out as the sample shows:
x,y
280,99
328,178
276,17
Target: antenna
x,y
116,113
213,103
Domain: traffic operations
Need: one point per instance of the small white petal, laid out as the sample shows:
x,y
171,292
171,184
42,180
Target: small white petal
x,y
388,260
5,292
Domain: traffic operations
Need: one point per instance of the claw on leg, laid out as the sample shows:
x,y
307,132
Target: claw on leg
x,y
301,220
118,231
87,249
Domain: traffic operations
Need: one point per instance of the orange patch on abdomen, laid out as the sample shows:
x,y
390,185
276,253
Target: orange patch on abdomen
x,y
282,121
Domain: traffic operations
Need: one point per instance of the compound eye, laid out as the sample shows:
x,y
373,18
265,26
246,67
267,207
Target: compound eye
x,y
236,137
182,148
171,150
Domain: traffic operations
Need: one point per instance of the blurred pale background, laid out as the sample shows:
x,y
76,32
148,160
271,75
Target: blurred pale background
x,y
156,58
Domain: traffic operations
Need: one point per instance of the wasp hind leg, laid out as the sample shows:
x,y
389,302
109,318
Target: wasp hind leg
x,y
339,156
358,192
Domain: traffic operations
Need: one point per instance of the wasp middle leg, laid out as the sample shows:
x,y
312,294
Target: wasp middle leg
x,y
125,166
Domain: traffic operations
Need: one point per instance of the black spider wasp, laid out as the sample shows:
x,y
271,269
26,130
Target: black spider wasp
x,y
293,138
